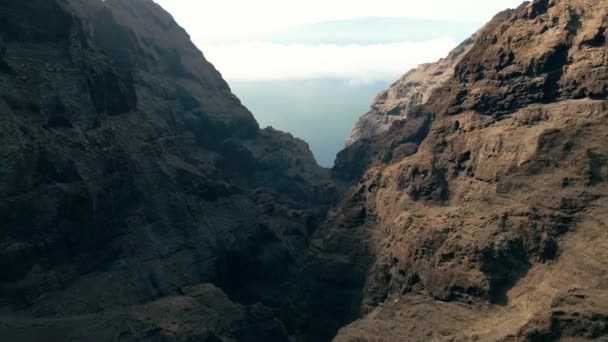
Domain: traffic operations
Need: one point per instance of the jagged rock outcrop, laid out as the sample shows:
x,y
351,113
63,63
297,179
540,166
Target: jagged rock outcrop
x,y
140,201
401,101
411,91
129,172
481,215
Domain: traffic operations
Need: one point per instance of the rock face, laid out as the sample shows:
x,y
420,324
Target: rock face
x,y
129,173
480,214
140,201
475,246
408,93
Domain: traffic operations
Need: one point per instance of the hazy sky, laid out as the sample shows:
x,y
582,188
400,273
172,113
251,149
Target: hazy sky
x,y
214,20
266,39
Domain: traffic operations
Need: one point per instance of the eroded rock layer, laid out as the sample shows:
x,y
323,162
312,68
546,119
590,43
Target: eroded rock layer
x,y
404,96
140,201
130,175
482,214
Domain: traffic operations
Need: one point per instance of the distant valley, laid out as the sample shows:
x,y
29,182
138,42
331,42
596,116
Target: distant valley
x,y
320,106
319,111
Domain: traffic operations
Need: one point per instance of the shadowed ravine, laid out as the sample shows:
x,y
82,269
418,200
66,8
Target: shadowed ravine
x,y
140,200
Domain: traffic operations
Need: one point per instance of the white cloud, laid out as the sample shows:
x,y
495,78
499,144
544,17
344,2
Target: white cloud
x,y
215,25
356,63
210,21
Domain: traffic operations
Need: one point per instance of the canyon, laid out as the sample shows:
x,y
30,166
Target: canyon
x,y
141,201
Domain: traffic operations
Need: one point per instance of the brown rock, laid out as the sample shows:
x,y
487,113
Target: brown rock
x,y
482,215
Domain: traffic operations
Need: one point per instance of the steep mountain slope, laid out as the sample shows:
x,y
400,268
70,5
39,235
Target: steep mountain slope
x,y
411,90
130,177
140,201
482,214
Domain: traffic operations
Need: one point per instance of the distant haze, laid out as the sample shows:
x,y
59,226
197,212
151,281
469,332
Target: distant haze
x,y
312,68
215,22
358,50
322,111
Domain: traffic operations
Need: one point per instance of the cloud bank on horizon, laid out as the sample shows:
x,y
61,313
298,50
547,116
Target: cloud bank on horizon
x,y
338,39
211,22
251,61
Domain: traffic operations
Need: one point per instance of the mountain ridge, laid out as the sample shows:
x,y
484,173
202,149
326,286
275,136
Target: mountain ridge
x,y
480,190
132,178
142,202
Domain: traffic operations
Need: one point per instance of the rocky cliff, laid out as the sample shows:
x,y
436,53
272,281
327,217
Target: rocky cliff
x,y
131,178
140,201
404,96
481,211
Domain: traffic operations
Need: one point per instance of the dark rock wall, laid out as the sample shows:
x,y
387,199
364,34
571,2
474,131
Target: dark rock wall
x,y
140,201
128,169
